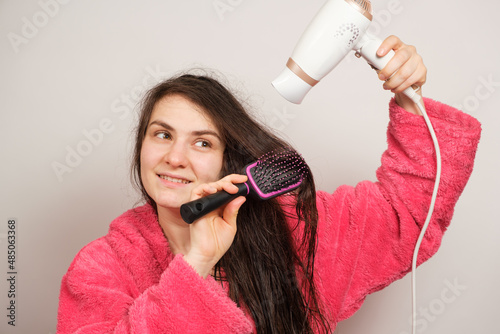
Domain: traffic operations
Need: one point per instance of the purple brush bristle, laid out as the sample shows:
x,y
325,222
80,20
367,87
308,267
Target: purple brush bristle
x,y
276,173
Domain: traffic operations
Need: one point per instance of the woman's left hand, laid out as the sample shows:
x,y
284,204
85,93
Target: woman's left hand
x,y
212,235
405,69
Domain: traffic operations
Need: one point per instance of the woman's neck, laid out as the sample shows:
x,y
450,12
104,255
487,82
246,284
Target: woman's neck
x,y
178,234
175,229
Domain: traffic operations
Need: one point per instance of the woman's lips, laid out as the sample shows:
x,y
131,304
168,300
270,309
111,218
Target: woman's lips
x,y
173,179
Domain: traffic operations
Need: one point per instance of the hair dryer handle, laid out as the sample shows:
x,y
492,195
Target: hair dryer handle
x,y
368,51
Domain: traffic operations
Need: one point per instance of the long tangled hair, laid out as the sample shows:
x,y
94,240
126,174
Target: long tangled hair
x,y
269,272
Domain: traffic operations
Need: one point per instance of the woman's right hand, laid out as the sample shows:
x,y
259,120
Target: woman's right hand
x,y
213,234
405,69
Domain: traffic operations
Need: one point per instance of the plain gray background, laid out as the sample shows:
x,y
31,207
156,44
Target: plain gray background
x,y
71,73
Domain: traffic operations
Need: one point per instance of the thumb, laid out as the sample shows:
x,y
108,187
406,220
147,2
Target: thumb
x,y
231,210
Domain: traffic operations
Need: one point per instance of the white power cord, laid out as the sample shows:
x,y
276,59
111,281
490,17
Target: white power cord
x,y
418,101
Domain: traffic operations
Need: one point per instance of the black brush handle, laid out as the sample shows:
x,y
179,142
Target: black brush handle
x,y
198,208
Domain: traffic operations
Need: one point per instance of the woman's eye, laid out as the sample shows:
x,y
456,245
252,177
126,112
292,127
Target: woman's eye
x,y
202,143
163,135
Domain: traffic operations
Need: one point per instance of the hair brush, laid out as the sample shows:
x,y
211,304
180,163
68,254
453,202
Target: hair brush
x,y
273,174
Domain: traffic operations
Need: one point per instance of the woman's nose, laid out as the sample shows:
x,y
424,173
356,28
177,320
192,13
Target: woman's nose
x,y
176,155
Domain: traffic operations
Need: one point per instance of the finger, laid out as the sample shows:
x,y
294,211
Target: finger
x,y
413,81
400,58
390,43
401,75
203,190
236,178
228,183
403,81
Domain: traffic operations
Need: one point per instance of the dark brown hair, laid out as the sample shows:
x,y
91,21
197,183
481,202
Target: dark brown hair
x,y
266,270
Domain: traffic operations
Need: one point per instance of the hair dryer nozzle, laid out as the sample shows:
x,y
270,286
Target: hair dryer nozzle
x,y
329,37
291,86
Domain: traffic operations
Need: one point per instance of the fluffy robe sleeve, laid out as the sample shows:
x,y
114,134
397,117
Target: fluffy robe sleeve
x,y
367,233
129,282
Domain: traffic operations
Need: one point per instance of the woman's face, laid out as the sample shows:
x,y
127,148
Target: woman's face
x,y
182,148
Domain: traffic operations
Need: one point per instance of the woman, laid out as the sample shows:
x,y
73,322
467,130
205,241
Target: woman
x,y
299,263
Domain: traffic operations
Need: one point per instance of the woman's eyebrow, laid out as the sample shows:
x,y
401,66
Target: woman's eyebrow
x,y
196,132
207,132
162,124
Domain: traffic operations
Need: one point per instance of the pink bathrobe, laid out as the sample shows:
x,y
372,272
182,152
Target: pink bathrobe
x,y
129,282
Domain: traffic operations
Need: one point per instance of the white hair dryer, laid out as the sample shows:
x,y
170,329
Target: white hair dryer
x,y
339,27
